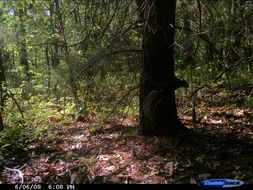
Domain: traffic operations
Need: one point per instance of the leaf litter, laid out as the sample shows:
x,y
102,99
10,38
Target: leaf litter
x,y
219,147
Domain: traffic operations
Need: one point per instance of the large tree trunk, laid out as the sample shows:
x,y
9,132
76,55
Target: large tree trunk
x,y
158,114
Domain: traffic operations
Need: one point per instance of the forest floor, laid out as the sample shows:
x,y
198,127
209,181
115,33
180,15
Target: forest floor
x,y
220,146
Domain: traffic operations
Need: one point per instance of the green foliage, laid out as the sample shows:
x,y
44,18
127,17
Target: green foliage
x,y
214,47
80,63
12,139
70,156
16,137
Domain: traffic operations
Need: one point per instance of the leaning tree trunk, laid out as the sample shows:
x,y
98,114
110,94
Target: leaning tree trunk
x,y
158,114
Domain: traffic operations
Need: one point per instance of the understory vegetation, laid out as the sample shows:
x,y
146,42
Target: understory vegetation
x,y
75,65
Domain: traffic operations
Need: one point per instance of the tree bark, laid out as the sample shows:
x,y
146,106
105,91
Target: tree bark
x,y
22,13
2,79
54,49
71,79
158,114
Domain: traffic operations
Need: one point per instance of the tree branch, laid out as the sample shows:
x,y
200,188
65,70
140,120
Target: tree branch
x,y
110,54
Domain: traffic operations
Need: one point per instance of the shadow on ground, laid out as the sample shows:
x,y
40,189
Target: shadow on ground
x,y
117,154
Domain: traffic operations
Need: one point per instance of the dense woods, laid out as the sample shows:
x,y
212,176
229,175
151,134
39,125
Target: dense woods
x,y
123,91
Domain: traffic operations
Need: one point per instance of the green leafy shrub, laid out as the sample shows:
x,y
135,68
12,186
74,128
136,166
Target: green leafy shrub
x,y
16,138
12,139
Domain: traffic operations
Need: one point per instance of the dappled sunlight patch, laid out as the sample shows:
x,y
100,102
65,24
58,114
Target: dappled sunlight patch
x,y
116,153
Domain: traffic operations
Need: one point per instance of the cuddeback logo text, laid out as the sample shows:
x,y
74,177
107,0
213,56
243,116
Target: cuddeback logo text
x,y
221,183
